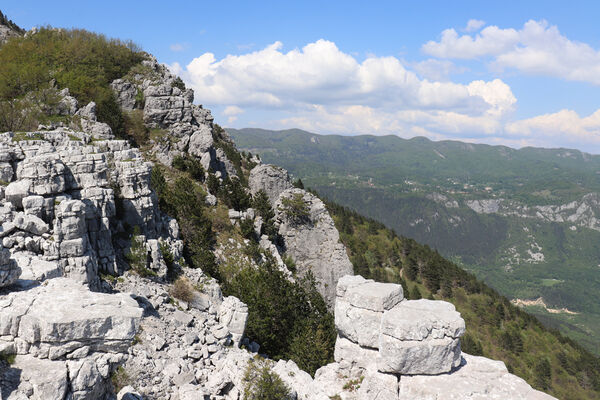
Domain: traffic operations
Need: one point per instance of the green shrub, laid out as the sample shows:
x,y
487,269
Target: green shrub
x,y
135,128
234,195
82,61
187,163
289,319
296,209
120,378
260,383
247,229
138,255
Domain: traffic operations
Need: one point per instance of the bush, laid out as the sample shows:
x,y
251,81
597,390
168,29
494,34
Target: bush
x,y
263,384
120,378
187,163
82,61
247,229
289,319
296,209
234,195
135,128
138,255
182,289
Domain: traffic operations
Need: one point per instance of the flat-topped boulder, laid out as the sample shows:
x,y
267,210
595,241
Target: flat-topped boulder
x,y
420,337
359,307
477,378
422,319
61,316
404,336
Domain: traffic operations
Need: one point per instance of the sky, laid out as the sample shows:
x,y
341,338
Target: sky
x,y
517,73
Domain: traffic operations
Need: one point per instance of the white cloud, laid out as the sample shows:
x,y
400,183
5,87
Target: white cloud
x,y
537,48
322,89
232,112
564,127
474,25
177,47
321,79
436,70
490,41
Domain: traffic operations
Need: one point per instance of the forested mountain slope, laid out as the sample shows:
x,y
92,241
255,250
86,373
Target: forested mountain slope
x,y
495,327
525,221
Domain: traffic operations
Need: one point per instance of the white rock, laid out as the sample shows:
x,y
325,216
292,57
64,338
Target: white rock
x,y
478,378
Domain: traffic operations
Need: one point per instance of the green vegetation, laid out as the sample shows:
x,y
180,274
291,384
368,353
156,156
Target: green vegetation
x,y
137,257
288,319
419,188
33,67
7,358
296,209
120,378
189,164
496,329
263,384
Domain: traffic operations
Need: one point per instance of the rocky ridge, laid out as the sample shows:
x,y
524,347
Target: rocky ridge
x,y
74,316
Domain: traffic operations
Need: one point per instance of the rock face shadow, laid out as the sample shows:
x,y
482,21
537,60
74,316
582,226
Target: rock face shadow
x,y
9,380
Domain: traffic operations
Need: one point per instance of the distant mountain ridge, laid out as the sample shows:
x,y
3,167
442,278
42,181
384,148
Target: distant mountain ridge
x,y
526,221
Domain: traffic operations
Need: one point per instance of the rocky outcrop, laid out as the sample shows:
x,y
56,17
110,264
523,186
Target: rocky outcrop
x,y
584,212
181,127
67,339
372,316
270,178
9,270
313,242
8,29
476,378
187,349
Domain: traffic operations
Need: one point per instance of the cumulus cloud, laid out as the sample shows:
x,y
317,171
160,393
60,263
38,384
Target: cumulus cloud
x,y
323,81
565,127
537,48
322,89
474,25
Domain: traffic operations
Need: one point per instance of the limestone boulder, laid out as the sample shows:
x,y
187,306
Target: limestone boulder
x,y
63,316
420,337
15,192
201,141
233,314
126,93
476,378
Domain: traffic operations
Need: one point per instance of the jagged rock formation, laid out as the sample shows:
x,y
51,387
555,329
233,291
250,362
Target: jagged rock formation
x,y
270,178
314,243
367,367
8,29
583,212
168,108
9,270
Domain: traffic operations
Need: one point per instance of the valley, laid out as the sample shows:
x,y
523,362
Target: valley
x,y
525,221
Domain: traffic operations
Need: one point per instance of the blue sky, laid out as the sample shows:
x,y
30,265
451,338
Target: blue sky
x,y
520,73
